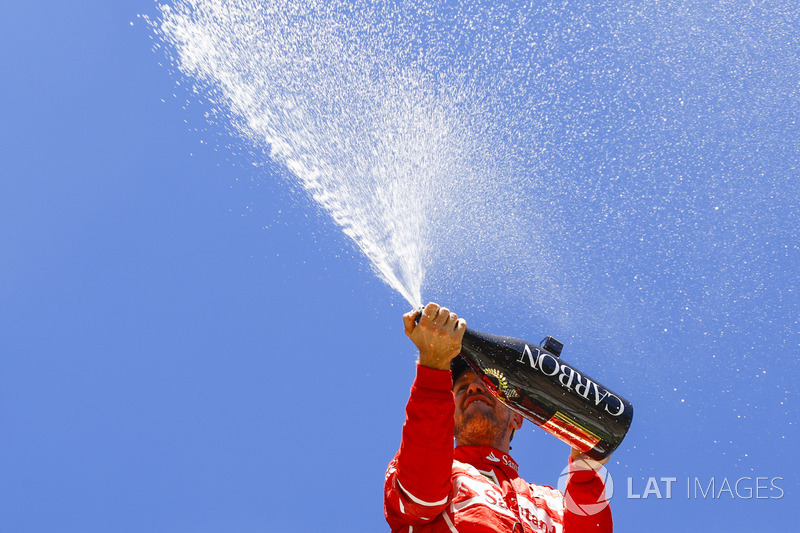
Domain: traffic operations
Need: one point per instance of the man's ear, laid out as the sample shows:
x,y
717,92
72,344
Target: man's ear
x,y
516,421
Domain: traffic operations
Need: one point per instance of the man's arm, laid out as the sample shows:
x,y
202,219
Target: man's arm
x,y
585,505
418,480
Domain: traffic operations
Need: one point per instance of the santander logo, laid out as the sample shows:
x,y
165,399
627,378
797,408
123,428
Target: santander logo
x,y
506,460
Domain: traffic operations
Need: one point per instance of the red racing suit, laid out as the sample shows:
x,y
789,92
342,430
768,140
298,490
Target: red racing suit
x,y
432,488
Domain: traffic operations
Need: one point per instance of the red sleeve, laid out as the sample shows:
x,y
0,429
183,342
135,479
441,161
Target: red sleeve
x,y
585,505
418,480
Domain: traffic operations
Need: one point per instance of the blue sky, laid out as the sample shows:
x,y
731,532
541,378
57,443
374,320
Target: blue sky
x,y
189,344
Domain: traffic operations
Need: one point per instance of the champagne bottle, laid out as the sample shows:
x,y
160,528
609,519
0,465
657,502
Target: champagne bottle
x,y
535,382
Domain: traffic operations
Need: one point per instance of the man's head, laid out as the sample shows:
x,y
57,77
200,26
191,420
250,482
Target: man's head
x,y
481,419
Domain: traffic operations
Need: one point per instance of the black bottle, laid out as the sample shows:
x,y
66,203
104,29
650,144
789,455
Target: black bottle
x,y
534,381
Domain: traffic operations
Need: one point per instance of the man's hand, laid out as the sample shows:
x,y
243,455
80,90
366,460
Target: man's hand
x,y
581,461
437,335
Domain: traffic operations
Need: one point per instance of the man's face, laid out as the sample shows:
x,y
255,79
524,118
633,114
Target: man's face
x,y
481,420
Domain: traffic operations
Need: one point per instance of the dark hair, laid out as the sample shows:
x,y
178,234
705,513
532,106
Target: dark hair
x,y
458,366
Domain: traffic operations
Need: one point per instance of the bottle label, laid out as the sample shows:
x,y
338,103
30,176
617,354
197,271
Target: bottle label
x,y
572,380
566,429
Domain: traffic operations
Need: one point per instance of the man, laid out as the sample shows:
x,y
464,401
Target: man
x,y
430,487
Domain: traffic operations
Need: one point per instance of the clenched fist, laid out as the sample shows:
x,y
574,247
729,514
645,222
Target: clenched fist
x,y
437,335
